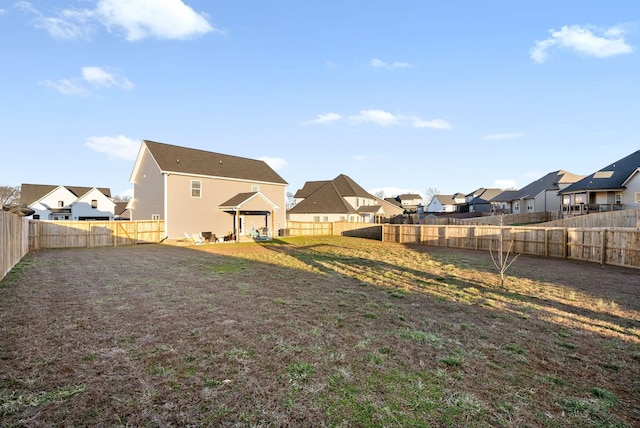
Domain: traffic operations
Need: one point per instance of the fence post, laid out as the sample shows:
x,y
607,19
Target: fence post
x,y
446,236
546,242
603,248
475,235
565,243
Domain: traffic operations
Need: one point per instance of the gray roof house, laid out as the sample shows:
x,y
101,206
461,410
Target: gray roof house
x,y
614,187
445,203
479,200
195,190
540,195
340,199
57,202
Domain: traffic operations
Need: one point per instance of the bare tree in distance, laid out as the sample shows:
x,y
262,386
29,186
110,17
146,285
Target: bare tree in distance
x,y
380,194
429,194
9,196
502,253
291,201
121,198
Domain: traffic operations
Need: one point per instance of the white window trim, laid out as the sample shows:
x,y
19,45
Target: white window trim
x,y
199,188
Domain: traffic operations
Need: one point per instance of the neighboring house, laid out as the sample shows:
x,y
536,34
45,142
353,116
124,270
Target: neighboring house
x,y
445,203
199,191
479,201
340,199
121,211
614,187
54,202
538,196
410,202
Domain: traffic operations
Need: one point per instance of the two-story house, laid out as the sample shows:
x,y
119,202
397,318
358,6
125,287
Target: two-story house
x,y
195,190
340,199
614,187
56,202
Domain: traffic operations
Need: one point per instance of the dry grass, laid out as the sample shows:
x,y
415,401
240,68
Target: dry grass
x,y
339,332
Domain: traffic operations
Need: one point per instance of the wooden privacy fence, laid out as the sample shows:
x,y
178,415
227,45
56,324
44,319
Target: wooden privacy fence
x,y
14,241
69,234
612,246
363,230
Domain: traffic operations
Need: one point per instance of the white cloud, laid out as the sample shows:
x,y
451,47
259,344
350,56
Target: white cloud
x,y
379,117
119,147
378,63
100,77
94,76
416,122
589,41
325,118
505,184
139,19
275,163
502,137
66,86
382,118
136,19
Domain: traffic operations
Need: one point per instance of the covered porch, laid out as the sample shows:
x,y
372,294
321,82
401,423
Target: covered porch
x,y
251,216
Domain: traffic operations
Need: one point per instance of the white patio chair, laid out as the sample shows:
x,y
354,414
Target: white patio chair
x,y
198,239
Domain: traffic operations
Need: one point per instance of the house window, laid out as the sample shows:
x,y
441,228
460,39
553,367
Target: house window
x,y
316,218
255,188
529,205
637,197
196,188
36,216
60,204
618,198
155,216
516,206
325,218
94,203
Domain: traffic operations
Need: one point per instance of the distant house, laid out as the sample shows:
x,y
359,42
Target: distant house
x,y
199,191
540,195
56,202
340,199
614,187
479,201
445,203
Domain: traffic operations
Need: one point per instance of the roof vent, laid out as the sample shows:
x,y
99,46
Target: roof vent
x,y
177,160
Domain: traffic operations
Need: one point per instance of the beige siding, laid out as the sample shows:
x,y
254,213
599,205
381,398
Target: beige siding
x,y
187,214
148,190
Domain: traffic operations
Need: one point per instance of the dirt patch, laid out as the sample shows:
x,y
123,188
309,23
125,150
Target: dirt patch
x,y
316,332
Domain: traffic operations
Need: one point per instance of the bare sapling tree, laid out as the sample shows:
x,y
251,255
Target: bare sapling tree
x,y
502,255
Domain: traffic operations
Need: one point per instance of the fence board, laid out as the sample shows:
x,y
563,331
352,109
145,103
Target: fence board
x,y
75,234
619,246
14,241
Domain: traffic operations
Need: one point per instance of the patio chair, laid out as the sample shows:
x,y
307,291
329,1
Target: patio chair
x,y
187,237
198,239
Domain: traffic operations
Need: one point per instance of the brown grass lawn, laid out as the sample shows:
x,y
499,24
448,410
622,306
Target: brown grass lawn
x,y
313,332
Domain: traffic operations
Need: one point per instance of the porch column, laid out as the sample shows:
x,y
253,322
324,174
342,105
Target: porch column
x,y
236,225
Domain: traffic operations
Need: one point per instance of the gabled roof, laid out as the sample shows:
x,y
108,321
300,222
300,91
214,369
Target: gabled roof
x,y
484,195
237,201
31,193
184,160
309,187
409,196
550,181
611,177
394,201
326,199
347,187
506,196
445,199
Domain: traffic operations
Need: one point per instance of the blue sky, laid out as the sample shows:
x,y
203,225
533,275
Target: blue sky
x,y
401,96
